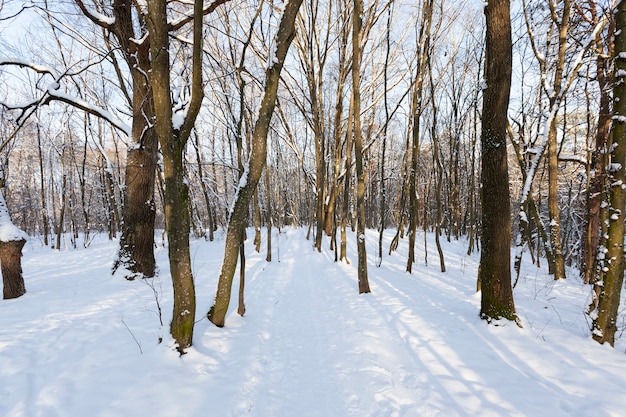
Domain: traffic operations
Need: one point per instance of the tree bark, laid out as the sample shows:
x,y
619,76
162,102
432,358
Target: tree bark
x,y
605,320
11,245
136,251
416,113
494,274
364,286
11,262
553,163
173,141
596,191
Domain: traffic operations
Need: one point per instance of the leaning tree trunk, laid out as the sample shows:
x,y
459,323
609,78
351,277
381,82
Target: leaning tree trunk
x,y
494,274
12,240
256,163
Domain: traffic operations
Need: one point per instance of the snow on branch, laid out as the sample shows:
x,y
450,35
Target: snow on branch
x,y
54,93
96,17
8,231
40,69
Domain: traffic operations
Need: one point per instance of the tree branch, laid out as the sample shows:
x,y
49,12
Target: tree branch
x,y
188,18
98,18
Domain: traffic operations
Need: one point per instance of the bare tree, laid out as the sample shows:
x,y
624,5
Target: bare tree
x,y
256,162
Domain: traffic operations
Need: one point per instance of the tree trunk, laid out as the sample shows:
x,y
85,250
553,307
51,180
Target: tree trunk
x,y
256,163
11,263
494,274
136,252
439,171
205,190
416,113
364,286
173,141
11,243
553,163
605,321
381,168
268,216
44,200
596,190
256,219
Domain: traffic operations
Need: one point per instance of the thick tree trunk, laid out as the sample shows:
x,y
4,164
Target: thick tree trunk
x,y
11,263
12,241
553,204
136,252
494,273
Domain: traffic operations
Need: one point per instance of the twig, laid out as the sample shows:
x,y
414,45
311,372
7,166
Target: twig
x,y
133,335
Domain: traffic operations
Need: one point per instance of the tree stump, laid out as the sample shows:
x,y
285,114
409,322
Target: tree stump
x,y
11,266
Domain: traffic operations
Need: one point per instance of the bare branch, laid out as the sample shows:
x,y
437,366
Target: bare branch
x,y
188,17
40,69
54,94
98,18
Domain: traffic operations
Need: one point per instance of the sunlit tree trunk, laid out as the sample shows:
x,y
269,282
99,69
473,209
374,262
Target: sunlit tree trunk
x,y
423,52
596,192
438,169
173,140
136,251
364,286
256,163
605,320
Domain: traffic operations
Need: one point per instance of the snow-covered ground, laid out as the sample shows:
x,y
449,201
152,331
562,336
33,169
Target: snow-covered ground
x,y
84,343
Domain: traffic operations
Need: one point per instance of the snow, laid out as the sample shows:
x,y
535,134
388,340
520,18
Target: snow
x,y
178,119
41,69
81,342
523,217
8,231
104,20
272,59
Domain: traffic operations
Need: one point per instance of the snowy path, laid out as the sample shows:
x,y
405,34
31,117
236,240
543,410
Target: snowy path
x,y
83,343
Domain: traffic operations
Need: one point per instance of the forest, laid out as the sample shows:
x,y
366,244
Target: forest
x,y
172,121
314,208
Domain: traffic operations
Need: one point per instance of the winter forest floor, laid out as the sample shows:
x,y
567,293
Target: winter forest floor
x,y
84,343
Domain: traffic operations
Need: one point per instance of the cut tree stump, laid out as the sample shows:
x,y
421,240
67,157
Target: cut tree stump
x,y
11,266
